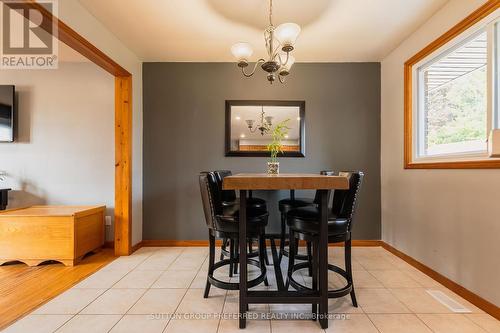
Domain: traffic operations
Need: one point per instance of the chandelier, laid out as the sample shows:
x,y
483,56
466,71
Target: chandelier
x,y
279,43
265,124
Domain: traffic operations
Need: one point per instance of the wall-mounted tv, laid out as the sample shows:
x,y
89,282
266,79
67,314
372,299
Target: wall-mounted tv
x,y
7,96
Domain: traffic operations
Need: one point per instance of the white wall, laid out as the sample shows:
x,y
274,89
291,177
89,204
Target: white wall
x,y
446,219
79,19
64,150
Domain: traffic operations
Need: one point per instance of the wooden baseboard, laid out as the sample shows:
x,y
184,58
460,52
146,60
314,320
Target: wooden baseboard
x,y
111,245
202,243
478,301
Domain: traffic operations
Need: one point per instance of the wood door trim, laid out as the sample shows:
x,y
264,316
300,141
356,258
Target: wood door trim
x,y
483,11
123,121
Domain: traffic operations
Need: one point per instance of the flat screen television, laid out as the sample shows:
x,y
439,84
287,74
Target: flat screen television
x,y
7,97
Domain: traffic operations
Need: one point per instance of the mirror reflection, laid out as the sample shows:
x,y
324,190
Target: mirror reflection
x,y
250,125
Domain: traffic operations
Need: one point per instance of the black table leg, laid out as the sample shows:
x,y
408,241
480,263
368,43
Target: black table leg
x,y
243,258
323,260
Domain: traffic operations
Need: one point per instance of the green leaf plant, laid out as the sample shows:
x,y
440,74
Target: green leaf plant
x,y
278,133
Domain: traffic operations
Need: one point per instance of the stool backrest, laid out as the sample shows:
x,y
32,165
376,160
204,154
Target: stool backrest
x,y
210,197
317,197
346,201
226,195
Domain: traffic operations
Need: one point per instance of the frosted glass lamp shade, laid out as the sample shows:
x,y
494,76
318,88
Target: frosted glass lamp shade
x,y
286,67
242,51
287,33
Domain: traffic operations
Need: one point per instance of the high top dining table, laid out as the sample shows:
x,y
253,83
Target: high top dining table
x,y
257,181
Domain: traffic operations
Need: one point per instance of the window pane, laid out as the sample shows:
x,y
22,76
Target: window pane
x,y
454,101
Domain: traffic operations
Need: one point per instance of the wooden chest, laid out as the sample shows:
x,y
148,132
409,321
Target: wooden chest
x,y
39,233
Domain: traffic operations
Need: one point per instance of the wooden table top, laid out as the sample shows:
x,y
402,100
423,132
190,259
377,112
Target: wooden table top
x,y
52,211
285,181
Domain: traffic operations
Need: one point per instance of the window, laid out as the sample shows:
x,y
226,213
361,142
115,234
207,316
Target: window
x,y
452,97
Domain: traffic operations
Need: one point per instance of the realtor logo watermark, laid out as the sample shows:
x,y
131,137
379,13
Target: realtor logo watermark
x,y
29,36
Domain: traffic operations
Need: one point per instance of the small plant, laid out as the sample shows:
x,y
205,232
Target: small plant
x,y
278,133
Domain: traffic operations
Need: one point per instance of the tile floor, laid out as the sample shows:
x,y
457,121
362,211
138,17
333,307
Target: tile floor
x,y
137,294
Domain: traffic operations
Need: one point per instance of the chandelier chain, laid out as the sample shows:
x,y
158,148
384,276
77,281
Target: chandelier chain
x,y
271,12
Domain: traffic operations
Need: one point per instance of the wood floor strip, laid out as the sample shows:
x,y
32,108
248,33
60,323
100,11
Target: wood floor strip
x,y
23,288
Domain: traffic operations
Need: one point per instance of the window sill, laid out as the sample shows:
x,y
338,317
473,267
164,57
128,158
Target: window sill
x,y
490,163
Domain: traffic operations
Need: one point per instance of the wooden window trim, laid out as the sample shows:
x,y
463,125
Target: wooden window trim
x,y
483,11
123,123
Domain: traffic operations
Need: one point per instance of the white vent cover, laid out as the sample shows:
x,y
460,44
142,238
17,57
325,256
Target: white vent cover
x,y
447,301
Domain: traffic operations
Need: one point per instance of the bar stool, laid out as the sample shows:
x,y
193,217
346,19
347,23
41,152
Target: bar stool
x,y
229,198
222,222
304,225
288,204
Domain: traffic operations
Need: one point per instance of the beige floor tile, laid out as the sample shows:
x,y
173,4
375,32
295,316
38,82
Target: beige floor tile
x,y
375,263
193,302
126,263
379,301
192,326
90,323
38,324
138,279
423,279
295,326
399,323
447,323
232,304
175,279
157,262
140,323
485,321
364,279
71,301
147,250
395,279
253,326
351,323
419,301
158,301
114,301
102,279
188,262
396,261
343,305
291,311
199,281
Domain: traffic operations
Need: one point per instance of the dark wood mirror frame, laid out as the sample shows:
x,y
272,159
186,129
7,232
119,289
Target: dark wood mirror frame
x,y
300,104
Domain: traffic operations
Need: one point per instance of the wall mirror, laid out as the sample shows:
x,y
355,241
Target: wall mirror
x,y
249,125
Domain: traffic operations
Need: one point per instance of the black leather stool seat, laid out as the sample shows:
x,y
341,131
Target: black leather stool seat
x,y
228,221
306,219
288,204
251,203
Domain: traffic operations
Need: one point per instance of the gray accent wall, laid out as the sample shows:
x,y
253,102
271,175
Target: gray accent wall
x,y
184,134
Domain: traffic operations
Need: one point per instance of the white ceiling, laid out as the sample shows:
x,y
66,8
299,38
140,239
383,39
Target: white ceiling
x,y
204,30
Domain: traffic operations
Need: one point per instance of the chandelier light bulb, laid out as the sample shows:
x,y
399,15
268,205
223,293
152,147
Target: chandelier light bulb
x,y
287,33
242,52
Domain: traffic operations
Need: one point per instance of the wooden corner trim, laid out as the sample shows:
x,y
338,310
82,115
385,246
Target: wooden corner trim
x,y
478,301
476,16
123,118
